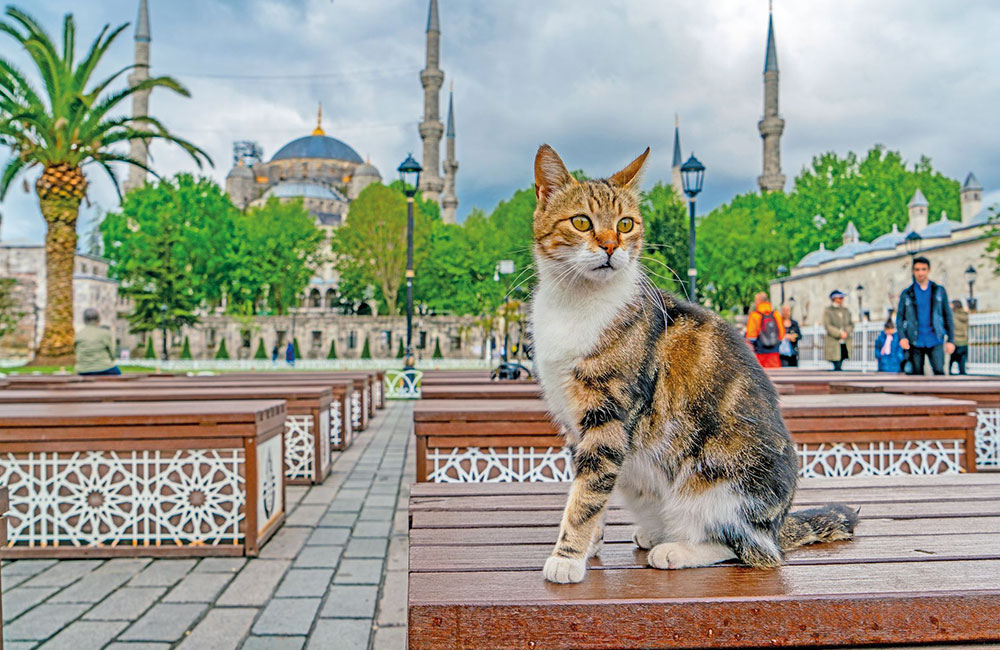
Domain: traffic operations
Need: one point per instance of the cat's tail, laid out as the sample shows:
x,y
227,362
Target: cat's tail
x,y
827,523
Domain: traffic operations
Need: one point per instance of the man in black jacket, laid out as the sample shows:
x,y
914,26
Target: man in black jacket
x,y
925,321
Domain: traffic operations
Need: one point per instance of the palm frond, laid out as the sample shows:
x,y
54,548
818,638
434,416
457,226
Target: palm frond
x,y
114,177
69,40
13,167
94,55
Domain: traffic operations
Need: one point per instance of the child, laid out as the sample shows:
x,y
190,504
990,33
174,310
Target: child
x,y
887,351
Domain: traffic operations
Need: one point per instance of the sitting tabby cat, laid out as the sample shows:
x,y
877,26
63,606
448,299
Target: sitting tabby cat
x,y
657,397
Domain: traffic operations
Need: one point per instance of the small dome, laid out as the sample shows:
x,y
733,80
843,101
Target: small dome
x,y
850,250
889,240
816,257
940,228
318,146
304,189
368,170
240,171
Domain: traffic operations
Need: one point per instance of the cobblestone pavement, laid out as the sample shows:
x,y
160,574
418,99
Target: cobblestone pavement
x,y
333,577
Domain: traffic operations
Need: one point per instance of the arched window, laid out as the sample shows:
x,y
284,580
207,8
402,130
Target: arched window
x,y
314,299
331,298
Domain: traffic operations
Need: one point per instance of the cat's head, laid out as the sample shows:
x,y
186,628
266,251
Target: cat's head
x,y
586,230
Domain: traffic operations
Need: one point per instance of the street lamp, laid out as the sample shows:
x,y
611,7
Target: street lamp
x,y
913,242
692,176
163,326
970,278
782,274
861,292
409,173
504,268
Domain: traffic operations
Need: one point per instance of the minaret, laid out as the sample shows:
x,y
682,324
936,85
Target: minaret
x,y
772,125
431,128
138,149
676,180
449,202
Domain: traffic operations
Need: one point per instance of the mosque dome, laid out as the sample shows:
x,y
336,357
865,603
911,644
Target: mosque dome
x,y
240,170
318,146
367,169
889,240
816,257
940,228
304,189
850,250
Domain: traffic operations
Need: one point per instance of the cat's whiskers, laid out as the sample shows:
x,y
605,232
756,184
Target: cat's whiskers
x,y
683,285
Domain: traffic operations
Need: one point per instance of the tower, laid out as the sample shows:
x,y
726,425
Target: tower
x,y
676,181
972,198
138,148
431,129
771,126
918,211
449,202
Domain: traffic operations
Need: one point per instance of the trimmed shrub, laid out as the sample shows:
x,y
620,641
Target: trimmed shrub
x,y
186,350
222,352
400,352
437,349
261,352
366,352
295,347
332,354
150,352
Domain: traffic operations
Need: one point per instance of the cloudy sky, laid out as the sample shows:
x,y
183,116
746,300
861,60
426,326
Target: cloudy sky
x,y
597,79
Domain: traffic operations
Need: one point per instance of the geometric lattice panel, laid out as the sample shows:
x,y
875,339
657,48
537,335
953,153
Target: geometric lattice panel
x,y
403,384
890,458
356,407
336,423
109,498
500,465
299,447
988,438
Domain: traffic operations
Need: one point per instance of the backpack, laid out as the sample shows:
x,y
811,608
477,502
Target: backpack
x,y
768,337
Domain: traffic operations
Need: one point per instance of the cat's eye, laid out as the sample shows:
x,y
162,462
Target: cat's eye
x,y
625,224
581,223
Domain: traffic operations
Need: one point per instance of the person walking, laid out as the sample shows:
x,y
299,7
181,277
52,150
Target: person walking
x,y
961,353
839,329
888,354
765,332
94,347
789,349
290,354
274,354
925,321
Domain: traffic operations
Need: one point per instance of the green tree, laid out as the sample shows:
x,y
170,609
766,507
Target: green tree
x,y
366,352
370,247
261,352
437,349
222,352
71,123
186,350
400,352
332,354
665,220
150,352
295,348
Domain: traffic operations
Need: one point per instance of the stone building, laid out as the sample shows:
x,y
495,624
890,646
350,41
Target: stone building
x,y
881,268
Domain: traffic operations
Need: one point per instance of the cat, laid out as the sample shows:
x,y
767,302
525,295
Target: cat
x,y
657,397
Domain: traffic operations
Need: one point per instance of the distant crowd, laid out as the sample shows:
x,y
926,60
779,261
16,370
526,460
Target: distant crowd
x,y
927,328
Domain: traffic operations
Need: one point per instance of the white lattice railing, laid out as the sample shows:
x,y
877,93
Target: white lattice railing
x,y
403,384
984,346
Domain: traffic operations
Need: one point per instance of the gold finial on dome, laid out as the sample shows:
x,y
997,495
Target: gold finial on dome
x,y
319,121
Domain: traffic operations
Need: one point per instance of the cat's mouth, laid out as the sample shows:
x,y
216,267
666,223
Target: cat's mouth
x,y
606,265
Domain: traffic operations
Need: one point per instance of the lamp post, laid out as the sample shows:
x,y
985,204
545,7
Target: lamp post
x,y
782,274
504,268
913,242
861,293
409,173
692,176
970,278
163,327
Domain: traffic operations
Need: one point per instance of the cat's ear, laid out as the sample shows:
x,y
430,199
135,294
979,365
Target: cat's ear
x,y
629,177
550,173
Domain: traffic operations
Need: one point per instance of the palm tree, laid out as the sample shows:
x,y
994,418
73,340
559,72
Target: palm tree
x,y
68,125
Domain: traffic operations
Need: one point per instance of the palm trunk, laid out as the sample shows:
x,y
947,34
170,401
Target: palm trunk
x,y
60,190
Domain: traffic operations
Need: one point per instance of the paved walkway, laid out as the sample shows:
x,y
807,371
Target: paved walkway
x,y
333,577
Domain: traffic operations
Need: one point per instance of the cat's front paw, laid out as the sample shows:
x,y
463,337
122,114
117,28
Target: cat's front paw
x,y
564,570
642,539
596,542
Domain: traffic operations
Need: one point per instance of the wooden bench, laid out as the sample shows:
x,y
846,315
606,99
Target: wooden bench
x,y
506,390
142,478
3,542
514,440
820,382
984,392
922,569
307,425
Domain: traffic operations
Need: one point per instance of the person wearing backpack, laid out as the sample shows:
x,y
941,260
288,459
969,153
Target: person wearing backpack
x,y
839,329
765,331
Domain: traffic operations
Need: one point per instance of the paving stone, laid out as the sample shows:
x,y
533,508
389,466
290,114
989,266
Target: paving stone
x,y
381,500
329,537
294,494
352,495
300,583
349,601
305,515
319,557
285,544
25,567
338,519
19,645
42,621
346,505
390,638
63,573
97,584
392,606
126,604
319,495
372,529
274,643
363,572
9,582
255,583
84,634
18,601
198,588
221,564
164,622
371,547
340,633
162,573
138,646
401,524
221,629
399,550
288,616
377,514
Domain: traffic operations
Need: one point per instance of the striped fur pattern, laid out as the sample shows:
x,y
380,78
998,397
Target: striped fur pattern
x,y
658,398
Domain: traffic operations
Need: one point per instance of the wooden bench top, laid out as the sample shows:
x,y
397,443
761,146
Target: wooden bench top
x,y
923,569
296,397
983,392
493,390
338,386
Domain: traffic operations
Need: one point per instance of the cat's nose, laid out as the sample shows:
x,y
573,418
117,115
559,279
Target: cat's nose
x,y
607,242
